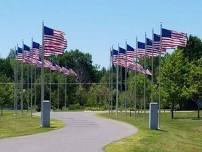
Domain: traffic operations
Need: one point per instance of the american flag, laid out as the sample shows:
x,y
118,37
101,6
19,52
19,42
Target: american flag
x,y
37,63
35,50
72,72
19,54
140,49
136,67
54,42
47,64
156,42
122,57
53,68
148,72
149,48
172,39
114,54
58,68
139,68
130,52
65,71
119,57
26,54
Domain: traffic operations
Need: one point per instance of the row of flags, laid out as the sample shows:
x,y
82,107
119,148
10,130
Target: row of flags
x,y
54,43
168,39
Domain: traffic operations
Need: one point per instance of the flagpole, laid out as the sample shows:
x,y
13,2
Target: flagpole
x,y
65,92
145,72
117,88
50,81
65,87
18,87
109,80
35,68
160,77
31,78
121,80
136,78
152,64
42,74
27,87
111,77
126,70
15,84
22,77
58,87
31,89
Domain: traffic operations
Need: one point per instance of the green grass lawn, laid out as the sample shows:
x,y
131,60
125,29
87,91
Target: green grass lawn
x,y
182,134
23,124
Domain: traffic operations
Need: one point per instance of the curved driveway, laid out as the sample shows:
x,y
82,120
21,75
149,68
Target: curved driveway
x,y
84,132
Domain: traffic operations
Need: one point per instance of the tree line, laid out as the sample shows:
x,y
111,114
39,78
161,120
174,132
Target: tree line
x,y
181,82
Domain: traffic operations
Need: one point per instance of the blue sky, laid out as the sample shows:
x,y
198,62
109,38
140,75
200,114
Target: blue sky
x,y
95,25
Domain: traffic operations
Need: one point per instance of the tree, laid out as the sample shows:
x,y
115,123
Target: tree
x,y
139,82
193,50
193,90
82,64
174,72
11,54
99,94
6,68
6,92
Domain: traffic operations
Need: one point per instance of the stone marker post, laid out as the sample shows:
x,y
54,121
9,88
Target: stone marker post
x,y
46,113
153,115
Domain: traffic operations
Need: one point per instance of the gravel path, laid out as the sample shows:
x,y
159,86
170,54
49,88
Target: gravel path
x,y
84,132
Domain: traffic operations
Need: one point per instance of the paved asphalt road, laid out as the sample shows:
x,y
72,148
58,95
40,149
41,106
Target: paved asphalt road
x,y
84,132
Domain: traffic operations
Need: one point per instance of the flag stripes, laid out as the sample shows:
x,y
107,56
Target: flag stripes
x,y
54,42
172,39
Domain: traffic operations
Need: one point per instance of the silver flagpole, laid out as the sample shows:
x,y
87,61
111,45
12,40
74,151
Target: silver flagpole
x,y
160,77
65,92
135,108
126,70
58,88
145,72
109,80
117,88
120,82
31,89
22,78
31,80
111,77
15,84
50,83
65,88
27,87
18,83
42,75
152,63
35,87
58,92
